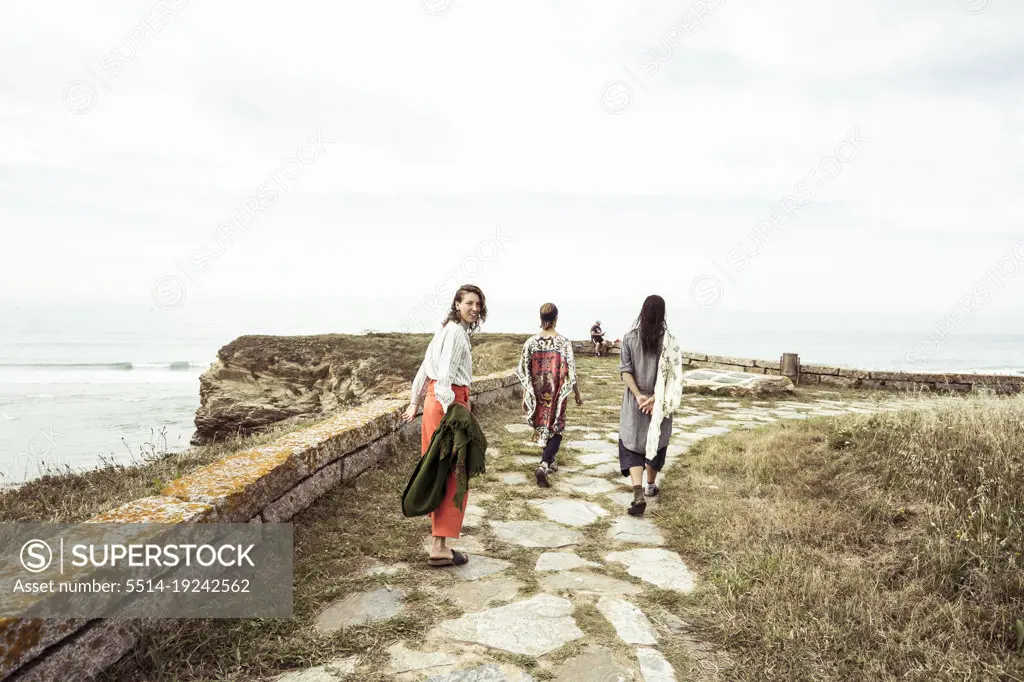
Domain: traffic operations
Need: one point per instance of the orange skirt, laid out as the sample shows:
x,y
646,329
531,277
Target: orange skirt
x,y
446,520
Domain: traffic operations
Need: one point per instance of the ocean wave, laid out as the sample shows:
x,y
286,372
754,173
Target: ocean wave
x,y
178,365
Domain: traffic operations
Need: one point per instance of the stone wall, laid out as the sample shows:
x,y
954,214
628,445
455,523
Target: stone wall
x,y
270,483
813,375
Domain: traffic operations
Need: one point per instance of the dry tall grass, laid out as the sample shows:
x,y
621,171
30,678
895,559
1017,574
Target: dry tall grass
x,y
864,548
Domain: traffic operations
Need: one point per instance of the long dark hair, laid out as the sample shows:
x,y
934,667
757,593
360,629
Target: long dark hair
x,y
650,324
453,312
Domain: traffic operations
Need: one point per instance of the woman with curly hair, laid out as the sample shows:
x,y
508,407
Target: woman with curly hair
x,y
444,378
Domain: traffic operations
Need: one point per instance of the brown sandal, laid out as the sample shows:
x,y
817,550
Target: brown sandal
x,y
457,559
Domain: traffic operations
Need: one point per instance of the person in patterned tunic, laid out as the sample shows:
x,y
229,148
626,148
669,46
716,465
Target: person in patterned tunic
x,y
547,371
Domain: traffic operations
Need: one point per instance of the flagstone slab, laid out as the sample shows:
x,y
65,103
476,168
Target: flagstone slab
x,y
513,478
482,594
587,583
534,627
578,428
597,458
535,534
589,485
792,415
405,660
532,461
635,530
828,413
362,609
595,446
714,430
592,436
475,515
630,623
654,667
603,470
575,513
597,664
624,499
486,673
693,421
331,672
518,429
562,561
659,567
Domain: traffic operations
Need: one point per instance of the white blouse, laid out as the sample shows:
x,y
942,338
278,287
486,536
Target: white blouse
x,y
448,361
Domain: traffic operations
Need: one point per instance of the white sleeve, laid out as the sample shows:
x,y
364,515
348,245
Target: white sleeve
x,y
419,385
443,386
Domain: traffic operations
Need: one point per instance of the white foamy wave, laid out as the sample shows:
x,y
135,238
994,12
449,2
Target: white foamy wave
x,y
176,365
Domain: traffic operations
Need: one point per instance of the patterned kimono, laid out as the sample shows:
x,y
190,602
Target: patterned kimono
x,y
547,371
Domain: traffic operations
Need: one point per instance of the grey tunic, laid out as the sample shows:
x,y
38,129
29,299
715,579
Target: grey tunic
x,y
633,424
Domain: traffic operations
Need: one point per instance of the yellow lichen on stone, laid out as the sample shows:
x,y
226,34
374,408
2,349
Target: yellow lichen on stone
x,y
157,509
19,637
228,476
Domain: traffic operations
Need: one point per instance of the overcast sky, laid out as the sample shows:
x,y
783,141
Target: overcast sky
x,y
442,124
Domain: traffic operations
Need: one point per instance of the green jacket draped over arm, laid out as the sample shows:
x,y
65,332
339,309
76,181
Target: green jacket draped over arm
x,y
457,445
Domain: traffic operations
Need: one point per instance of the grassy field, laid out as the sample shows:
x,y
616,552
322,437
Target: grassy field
x,y
64,496
865,548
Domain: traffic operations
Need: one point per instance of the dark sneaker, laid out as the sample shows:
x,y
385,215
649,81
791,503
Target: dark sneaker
x,y
639,503
653,490
552,468
542,477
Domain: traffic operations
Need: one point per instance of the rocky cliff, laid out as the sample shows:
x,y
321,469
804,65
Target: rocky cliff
x,y
261,381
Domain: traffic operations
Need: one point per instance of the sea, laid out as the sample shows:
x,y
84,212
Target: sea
x,y
86,385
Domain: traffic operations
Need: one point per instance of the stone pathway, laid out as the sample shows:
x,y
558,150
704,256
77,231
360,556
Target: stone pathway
x,y
559,581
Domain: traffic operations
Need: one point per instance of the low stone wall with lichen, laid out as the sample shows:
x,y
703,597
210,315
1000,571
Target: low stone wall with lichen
x,y
270,483
814,375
